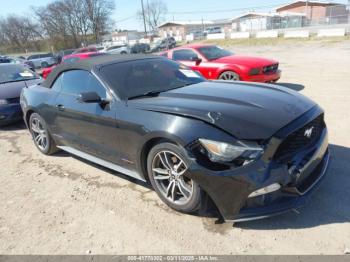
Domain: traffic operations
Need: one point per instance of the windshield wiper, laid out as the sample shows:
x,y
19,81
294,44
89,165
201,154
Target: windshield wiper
x,y
18,80
150,93
156,93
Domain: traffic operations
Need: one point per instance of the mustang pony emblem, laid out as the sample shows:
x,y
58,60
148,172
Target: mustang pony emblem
x,y
308,132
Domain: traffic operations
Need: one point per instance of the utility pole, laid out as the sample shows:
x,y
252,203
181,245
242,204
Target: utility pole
x,y
306,11
348,11
144,18
148,17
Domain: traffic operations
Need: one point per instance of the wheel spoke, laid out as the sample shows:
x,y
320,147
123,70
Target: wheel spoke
x,y
176,167
37,138
161,177
173,191
35,126
168,190
182,172
171,167
161,171
44,142
35,129
164,162
183,186
183,191
40,142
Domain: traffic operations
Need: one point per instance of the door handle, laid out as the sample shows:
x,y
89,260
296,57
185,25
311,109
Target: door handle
x,y
60,107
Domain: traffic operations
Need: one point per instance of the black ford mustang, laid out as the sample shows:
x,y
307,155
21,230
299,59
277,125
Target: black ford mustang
x,y
253,149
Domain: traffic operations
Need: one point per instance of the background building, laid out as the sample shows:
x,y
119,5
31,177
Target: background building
x,y
179,29
253,21
318,12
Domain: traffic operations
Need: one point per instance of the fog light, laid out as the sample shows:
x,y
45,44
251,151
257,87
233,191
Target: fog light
x,y
265,190
2,117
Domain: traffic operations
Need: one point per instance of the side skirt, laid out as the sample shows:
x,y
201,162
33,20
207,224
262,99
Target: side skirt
x,y
102,162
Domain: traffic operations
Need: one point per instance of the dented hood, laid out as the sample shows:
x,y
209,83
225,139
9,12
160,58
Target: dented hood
x,y
247,111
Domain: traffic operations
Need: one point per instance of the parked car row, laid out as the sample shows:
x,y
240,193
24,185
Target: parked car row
x,y
17,60
208,61
138,48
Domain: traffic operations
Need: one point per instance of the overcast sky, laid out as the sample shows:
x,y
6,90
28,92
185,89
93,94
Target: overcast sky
x,y
125,13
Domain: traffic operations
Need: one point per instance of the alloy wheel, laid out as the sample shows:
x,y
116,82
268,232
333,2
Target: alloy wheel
x,y
39,134
229,76
169,175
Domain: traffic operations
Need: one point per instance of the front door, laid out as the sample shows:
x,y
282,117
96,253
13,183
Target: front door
x,y
87,127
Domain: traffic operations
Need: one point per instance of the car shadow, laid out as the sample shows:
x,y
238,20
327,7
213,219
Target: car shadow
x,y
107,170
14,127
293,86
329,204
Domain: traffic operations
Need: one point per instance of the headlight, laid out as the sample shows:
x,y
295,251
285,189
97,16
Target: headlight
x,y
3,102
224,152
254,71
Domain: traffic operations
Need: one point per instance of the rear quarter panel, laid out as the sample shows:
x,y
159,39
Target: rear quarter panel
x,y
38,99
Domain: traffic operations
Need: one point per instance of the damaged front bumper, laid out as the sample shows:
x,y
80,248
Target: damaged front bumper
x,y
231,189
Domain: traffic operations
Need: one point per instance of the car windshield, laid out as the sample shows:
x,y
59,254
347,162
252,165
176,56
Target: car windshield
x,y
139,78
15,73
214,52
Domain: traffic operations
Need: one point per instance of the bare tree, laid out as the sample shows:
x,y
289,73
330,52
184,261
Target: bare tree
x,y
19,31
61,23
98,13
155,12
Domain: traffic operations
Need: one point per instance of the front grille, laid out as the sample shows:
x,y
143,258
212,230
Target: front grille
x,y
270,68
300,139
13,100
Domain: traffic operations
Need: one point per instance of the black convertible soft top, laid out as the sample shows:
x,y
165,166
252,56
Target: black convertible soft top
x,y
93,63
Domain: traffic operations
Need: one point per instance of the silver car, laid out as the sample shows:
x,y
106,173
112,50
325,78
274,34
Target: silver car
x,y
118,49
43,60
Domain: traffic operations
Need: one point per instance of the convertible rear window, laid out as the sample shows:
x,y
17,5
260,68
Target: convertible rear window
x,y
135,78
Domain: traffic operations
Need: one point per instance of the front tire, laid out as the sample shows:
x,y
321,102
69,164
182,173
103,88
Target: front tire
x,y
167,167
41,136
229,76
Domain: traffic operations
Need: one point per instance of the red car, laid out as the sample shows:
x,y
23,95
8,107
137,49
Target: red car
x,y
214,62
69,59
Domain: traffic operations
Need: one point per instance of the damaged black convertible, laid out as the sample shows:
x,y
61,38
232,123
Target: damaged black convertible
x,y
253,150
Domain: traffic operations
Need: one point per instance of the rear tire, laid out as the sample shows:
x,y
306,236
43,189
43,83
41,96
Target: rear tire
x,y
44,65
41,136
167,167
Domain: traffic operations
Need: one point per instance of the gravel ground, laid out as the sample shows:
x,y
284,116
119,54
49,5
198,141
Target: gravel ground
x,y
62,205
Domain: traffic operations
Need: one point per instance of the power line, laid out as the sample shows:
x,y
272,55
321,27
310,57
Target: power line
x,y
227,10
125,19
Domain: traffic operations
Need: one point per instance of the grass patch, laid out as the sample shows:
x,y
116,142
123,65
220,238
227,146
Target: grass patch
x,y
274,41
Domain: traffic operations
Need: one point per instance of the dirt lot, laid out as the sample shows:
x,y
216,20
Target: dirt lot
x,y
62,205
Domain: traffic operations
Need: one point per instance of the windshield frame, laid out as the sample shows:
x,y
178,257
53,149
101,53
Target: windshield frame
x,y
122,93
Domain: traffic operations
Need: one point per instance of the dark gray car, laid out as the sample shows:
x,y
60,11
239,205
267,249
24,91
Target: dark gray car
x,y
13,78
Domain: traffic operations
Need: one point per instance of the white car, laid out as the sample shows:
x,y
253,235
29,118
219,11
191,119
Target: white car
x,y
43,60
118,49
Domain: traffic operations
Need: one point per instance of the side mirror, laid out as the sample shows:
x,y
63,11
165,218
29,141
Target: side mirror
x,y
89,97
197,60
